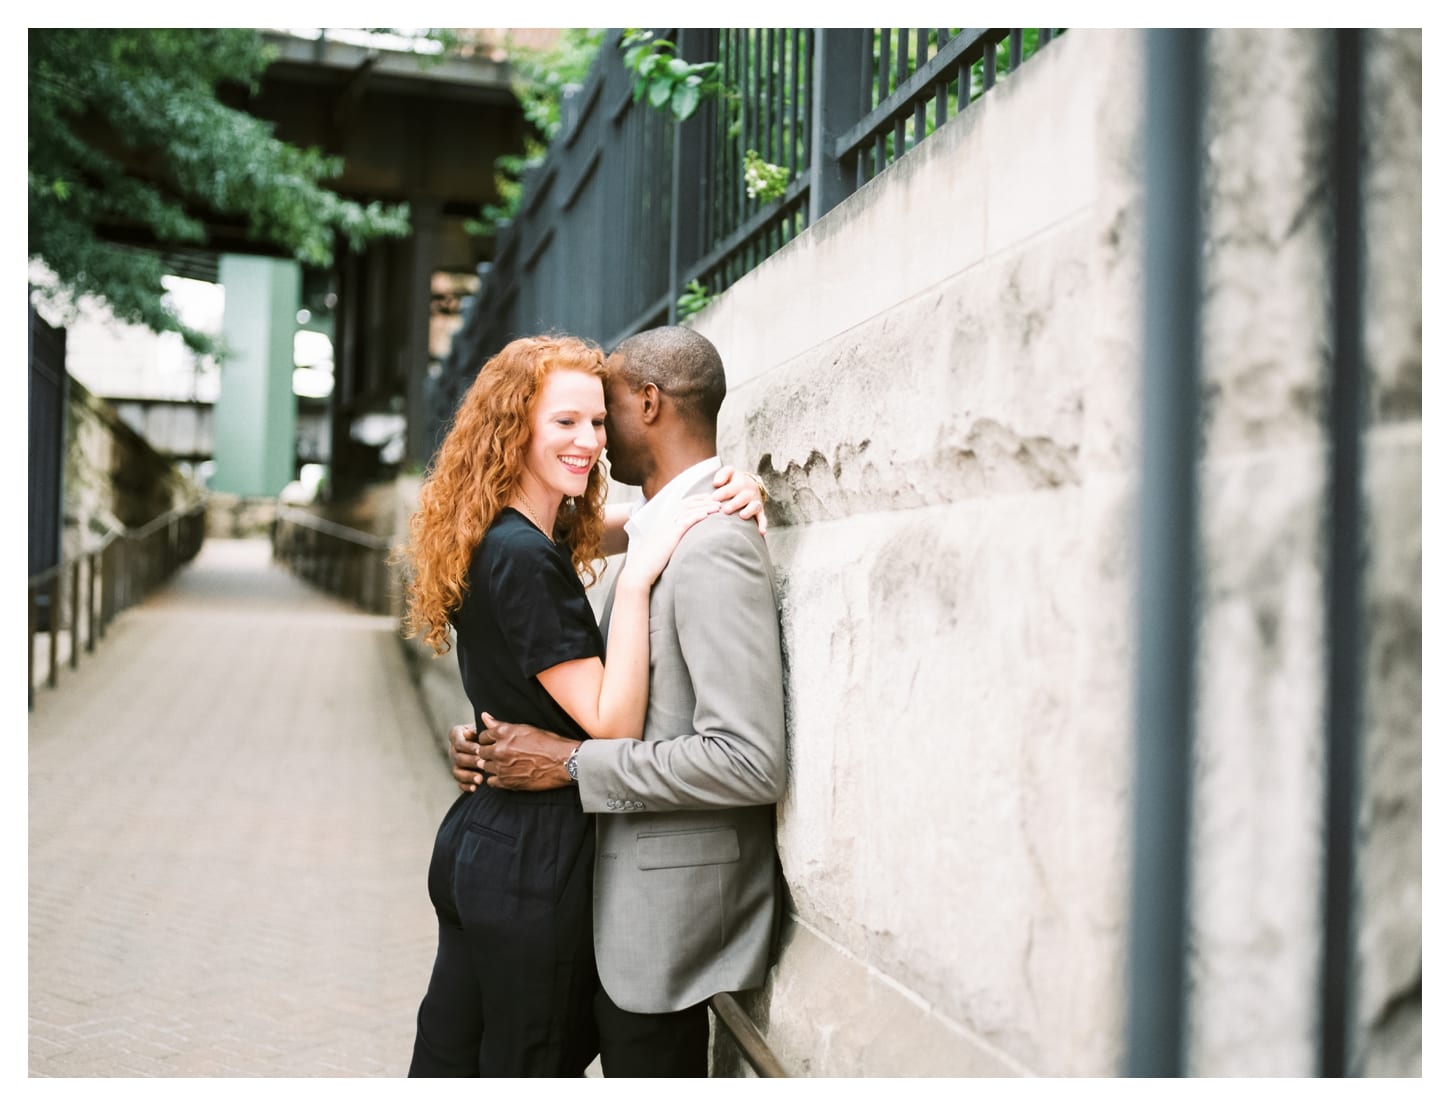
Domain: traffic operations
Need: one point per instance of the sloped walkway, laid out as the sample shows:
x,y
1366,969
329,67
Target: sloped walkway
x,y
232,807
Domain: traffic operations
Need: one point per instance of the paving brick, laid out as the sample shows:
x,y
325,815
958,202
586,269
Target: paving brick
x,y
232,806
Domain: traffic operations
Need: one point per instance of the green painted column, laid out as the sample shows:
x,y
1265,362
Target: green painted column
x,y
256,412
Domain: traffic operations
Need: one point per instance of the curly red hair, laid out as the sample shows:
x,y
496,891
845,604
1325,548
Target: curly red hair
x,y
477,470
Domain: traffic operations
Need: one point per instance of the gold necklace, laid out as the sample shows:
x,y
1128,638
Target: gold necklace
x,y
523,499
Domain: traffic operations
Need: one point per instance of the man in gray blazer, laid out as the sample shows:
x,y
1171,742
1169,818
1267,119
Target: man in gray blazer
x,y
687,895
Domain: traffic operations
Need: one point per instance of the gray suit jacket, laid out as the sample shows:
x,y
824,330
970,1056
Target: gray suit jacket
x,y
686,893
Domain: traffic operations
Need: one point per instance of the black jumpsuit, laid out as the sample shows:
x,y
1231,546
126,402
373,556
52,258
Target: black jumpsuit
x,y
512,871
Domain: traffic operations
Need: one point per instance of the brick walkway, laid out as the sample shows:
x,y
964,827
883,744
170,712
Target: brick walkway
x,y
232,807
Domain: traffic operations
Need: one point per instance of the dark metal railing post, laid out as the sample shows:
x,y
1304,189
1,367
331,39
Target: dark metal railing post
x,y
108,584
1167,558
1343,585
690,169
118,571
127,550
92,614
30,648
52,678
75,613
835,107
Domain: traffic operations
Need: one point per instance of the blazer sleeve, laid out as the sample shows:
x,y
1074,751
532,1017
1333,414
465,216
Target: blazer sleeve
x,y
729,633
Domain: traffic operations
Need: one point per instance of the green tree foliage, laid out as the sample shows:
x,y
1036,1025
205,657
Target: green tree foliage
x,y
695,299
670,82
541,79
126,130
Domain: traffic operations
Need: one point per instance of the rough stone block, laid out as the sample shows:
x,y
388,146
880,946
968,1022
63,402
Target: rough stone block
x,y
1258,800
933,662
825,1013
1390,858
1393,194
1267,262
975,389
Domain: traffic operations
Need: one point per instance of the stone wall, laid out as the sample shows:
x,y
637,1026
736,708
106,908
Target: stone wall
x,y
939,383
112,475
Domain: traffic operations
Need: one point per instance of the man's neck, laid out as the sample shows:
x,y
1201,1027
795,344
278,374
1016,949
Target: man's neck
x,y
676,461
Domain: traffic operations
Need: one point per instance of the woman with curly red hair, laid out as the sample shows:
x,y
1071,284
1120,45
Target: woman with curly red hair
x,y
509,519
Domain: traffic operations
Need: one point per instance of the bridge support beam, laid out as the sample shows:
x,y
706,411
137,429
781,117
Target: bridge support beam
x,y
256,412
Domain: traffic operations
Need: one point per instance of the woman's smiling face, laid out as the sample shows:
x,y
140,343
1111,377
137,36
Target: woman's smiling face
x,y
566,435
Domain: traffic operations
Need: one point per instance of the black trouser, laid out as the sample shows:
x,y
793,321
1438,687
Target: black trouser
x,y
641,1045
512,883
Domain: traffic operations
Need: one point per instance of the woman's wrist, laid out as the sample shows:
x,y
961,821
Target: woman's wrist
x,y
630,583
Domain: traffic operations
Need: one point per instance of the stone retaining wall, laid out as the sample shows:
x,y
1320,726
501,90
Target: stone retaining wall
x,y
939,383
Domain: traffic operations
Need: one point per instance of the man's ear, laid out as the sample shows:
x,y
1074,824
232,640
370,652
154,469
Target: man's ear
x,y
650,405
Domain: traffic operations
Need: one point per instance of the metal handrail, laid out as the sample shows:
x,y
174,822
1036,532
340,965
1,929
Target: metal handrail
x,y
335,557
120,569
747,1037
55,570
333,529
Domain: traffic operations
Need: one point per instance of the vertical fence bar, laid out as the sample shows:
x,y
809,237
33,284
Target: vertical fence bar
x,y
91,613
808,80
1015,62
712,110
1166,601
772,115
108,586
964,81
52,677
30,648
798,96
943,85
835,98
883,90
883,64
742,63
989,65
899,132
754,49
864,107
718,124
772,124
75,613
1344,587
753,252
918,126
689,172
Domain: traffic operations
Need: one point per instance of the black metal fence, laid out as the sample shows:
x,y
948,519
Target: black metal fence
x,y
79,597
49,386
348,563
630,209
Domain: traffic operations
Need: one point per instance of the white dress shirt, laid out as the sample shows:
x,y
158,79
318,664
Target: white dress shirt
x,y
659,508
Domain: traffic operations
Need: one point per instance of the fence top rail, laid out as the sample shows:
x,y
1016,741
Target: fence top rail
x,y
333,529
966,46
40,579
167,519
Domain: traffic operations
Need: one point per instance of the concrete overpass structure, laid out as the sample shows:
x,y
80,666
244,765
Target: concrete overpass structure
x,y
410,129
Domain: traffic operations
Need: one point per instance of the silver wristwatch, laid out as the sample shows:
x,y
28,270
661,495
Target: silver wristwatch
x,y
572,765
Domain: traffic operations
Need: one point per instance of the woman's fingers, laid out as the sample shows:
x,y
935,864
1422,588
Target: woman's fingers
x,y
689,515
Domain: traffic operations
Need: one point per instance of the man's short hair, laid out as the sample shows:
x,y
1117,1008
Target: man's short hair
x,y
681,363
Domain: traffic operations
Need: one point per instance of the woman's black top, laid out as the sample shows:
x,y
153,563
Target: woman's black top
x,y
525,611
